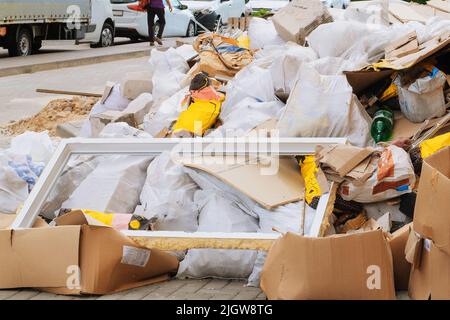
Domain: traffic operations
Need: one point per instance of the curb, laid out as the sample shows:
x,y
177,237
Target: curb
x,y
4,72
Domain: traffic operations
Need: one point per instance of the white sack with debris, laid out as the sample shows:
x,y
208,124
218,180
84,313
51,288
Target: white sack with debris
x,y
245,116
168,196
164,114
169,71
13,189
218,214
424,98
393,177
262,33
324,106
285,67
38,145
253,82
113,186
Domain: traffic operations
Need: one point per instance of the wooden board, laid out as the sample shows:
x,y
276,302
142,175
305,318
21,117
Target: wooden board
x,y
286,185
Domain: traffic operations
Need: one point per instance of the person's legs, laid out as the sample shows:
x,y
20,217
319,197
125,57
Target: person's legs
x,y
162,23
151,23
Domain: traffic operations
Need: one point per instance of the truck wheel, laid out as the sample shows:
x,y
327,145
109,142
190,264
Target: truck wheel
x,y
107,36
23,44
191,32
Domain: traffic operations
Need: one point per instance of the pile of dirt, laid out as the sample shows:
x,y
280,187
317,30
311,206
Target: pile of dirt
x,y
56,112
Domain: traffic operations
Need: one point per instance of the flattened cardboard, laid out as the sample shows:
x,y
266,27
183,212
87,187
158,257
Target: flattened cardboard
x,y
431,214
335,267
7,219
270,190
37,257
419,280
402,268
361,80
342,158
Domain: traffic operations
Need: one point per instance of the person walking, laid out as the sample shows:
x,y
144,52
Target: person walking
x,y
156,8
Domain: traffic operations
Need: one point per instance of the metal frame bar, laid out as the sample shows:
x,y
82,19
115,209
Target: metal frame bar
x,y
226,146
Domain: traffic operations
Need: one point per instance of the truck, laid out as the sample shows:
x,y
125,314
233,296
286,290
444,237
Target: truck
x,y
24,24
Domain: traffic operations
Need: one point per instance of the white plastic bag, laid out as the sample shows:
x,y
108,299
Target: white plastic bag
x,y
393,177
122,130
285,67
168,196
424,98
324,106
262,33
36,144
219,214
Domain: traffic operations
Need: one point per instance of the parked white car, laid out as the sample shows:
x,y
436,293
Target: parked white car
x,y
101,27
131,21
211,12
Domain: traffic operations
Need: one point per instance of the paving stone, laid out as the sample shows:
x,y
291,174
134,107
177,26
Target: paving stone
x,y
26,294
246,295
5,294
223,296
216,284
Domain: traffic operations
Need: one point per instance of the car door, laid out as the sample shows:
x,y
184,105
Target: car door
x,y
176,21
123,16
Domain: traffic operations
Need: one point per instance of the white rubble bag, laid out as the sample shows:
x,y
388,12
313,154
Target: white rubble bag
x,y
122,130
285,67
169,71
334,38
76,170
168,196
324,106
113,186
13,190
262,33
218,214
112,101
164,114
393,177
424,98
253,82
38,145
245,116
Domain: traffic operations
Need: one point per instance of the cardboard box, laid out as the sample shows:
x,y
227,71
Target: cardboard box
x,y
355,266
431,214
79,260
299,18
402,267
430,273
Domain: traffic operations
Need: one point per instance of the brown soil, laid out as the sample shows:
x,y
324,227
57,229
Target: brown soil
x,y
56,112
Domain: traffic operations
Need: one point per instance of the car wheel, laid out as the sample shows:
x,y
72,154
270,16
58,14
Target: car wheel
x,y
191,32
23,46
107,36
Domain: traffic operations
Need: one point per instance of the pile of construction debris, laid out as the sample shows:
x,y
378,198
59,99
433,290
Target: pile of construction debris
x,y
329,216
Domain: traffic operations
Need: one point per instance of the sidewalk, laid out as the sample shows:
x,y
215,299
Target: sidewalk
x,y
207,289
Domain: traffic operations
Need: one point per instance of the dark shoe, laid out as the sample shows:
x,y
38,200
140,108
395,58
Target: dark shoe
x,y
152,44
158,40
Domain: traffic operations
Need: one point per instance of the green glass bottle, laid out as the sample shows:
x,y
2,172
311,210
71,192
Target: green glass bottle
x,y
382,125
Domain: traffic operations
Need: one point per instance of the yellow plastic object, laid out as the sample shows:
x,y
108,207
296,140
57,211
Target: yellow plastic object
x,y
309,169
430,146
244,41
106,218
199,117
389,93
